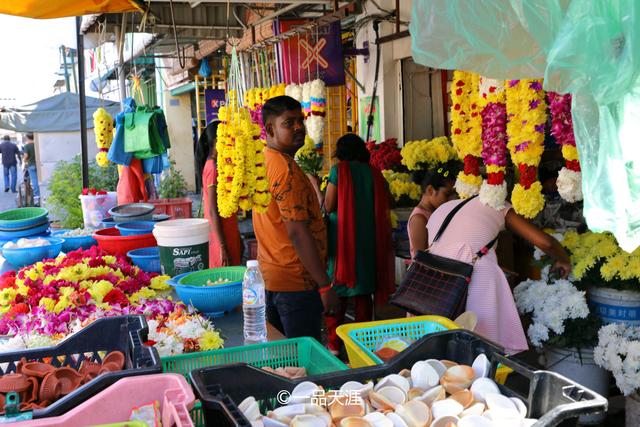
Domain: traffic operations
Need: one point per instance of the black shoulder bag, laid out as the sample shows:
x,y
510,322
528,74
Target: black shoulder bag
x,y
437,285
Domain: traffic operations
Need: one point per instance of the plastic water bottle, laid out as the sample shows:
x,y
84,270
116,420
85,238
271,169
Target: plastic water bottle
x,y
253,304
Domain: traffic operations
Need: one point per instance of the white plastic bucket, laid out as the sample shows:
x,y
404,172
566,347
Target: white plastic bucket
x,y
184,245
614,306
581,368
96,208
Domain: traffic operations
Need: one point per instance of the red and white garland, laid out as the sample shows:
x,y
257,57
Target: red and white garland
x,y
570,177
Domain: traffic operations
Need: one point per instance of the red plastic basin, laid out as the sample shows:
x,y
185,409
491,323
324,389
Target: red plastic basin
x,y
110,240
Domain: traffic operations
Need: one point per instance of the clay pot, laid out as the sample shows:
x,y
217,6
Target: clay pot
x,y
2,400
50,389
69,379
89,370
20,364
116,357
37,369
31,394
13,382
108,367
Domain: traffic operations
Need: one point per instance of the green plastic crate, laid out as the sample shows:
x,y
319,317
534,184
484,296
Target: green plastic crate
x,y
299,352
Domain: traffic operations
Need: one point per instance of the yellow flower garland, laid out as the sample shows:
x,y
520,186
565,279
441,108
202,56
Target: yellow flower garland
x,y
242,176
103,129
527,111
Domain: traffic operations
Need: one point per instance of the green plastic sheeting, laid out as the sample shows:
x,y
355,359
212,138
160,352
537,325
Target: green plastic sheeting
x,y
589,48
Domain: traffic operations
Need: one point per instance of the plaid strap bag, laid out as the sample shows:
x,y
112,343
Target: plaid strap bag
x,y
437,285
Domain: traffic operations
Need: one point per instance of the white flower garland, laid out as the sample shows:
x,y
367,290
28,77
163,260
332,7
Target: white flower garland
x,y
550,303
294,91
570,185
494,196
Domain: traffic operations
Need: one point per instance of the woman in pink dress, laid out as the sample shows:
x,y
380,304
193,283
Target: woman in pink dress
x,y
490,297
437,188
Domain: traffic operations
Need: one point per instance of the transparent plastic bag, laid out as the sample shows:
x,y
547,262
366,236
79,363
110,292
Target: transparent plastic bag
x,y
501,39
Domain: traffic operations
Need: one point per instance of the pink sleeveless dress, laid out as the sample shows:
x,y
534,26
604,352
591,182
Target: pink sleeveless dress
x,y
417,211
490,296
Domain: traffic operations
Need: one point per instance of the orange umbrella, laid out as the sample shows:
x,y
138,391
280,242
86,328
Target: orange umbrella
x,y
64,8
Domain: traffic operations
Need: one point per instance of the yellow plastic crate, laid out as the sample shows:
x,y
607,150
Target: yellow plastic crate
x,y
360,339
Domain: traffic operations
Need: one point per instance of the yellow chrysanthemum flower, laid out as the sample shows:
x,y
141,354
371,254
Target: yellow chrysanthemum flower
x,y
159,283
210,340
49,304
141,295
99,289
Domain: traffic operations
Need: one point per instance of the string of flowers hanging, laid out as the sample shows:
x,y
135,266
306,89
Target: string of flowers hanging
x,y
570,176
103,129
242,180
493,191
527,113
466,128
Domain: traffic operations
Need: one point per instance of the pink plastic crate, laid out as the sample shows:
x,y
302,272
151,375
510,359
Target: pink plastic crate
x,y
114,404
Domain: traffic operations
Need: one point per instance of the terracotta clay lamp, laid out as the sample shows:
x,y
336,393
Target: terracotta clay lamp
x,y
14,382
109,367
116,357
31,394
69,378
50,389
20,364
37,369
89,370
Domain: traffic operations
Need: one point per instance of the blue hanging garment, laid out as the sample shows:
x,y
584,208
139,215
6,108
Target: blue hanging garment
x,y
205,69
116,152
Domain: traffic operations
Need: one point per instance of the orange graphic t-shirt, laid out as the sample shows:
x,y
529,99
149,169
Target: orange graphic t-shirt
x,y
292,199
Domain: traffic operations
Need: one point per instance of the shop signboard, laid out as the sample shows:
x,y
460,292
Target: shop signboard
x,y
311,55
213,100
363,115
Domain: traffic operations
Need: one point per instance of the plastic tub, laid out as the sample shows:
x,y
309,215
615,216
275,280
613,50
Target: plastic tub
x,y
28,232
550,397
213,300
123,333
21,257
301,352
112,242
22,217
114,404
148,259
74,243
184,245
95,208
135,228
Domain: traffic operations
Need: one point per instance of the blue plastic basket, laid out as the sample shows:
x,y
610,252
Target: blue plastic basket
x,y
148,259
27,256
135,228
214,300
22,217
34,231
74,243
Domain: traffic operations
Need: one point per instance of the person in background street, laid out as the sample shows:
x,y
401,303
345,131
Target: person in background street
x,y
30,164
437,188
10,159
225,244
360,248
291,235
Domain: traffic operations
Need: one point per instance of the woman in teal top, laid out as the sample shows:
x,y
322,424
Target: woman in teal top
x,y
356,200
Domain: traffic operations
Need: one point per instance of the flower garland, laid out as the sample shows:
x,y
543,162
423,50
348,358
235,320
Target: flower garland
x,y
570,177
294,91
551,303
317,111
427,154
404,191
103,129
493,191
527,112
56,297
466,127
242,179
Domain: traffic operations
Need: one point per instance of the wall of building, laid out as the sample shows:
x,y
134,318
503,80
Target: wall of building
x,y
52,147
178,114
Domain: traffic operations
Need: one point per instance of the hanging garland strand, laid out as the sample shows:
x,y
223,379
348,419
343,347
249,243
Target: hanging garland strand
x,y
570,176
466,127
493,191
527,112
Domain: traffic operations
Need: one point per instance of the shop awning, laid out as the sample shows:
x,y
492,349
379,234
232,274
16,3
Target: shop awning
x,y
63,8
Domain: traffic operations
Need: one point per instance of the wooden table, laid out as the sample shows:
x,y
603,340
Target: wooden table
x,y
231,327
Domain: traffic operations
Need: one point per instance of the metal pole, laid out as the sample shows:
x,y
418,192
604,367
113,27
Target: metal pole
x,y
83,105
73,69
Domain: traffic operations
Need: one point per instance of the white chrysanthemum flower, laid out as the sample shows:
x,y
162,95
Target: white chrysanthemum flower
x,y
466,190
494,196
569,185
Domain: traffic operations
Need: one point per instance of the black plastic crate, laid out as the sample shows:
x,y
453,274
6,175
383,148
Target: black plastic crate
x,y
550,397
122,333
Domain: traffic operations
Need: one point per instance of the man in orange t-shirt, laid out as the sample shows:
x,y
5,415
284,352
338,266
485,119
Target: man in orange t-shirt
x,y
292,241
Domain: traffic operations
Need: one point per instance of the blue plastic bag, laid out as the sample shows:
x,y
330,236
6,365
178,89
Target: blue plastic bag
x,y
116,152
